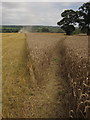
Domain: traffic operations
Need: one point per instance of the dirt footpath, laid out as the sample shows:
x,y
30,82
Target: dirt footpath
x,y
49,90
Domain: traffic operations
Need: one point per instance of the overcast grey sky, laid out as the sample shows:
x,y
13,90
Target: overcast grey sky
x,y
35,13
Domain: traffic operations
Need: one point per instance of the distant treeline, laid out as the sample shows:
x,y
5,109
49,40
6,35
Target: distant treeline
x,y
49,29
10,29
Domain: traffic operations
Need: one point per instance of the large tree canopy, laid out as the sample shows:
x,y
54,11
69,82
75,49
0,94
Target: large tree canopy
x,y
84,17
68,21
71,17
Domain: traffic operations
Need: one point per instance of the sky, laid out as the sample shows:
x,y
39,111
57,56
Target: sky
x,y
35,13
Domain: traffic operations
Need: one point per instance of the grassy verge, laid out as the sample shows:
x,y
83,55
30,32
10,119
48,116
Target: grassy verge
x,y
14,74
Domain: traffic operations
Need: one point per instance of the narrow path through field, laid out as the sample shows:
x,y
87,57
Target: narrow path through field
x,y
48,98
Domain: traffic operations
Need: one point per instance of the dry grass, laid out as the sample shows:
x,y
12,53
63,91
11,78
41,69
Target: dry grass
x,y
14,74
0,75
39,67
45,55
75,66
78,45
19,100
41,47
77,55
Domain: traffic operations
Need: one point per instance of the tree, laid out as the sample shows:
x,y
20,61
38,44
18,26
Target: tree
x,y
45,30
84,17
68,29
68,21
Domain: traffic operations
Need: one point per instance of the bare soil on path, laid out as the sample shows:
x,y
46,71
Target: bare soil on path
x,y
49,90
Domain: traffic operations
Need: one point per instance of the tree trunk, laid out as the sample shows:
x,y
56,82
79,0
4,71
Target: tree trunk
x,y
88,31
68,33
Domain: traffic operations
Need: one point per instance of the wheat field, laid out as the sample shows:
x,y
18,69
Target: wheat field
x,y
14,74
37,74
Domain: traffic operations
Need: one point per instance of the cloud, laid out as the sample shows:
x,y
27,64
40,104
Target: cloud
x,y
44,0
1,13
34,13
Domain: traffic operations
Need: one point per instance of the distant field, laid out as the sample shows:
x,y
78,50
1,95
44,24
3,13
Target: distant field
x,y
14,74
